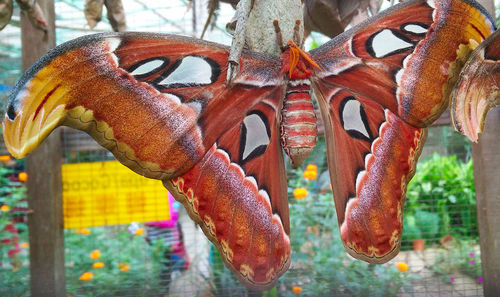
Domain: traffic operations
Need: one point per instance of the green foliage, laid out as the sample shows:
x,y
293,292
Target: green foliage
x,y
427,223
410,232
118,248
222,282
320,264
14,274
441,200
12,197
314,44
459,256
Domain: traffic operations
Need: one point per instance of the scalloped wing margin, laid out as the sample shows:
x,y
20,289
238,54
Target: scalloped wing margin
x,y
238,195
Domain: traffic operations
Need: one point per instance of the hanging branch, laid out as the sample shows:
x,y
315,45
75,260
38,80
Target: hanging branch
x,y
255,29
242,13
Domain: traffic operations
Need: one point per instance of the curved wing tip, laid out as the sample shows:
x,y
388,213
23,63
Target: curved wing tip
x,y
374,259
473,136
265,286
18,153
459,127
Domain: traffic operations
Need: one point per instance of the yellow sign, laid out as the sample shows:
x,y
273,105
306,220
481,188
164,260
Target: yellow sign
x,y
108,193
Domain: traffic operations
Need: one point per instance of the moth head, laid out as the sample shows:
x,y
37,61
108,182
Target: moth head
x,y
296,62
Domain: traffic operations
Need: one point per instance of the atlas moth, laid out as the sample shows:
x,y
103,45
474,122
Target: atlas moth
x,y
161,104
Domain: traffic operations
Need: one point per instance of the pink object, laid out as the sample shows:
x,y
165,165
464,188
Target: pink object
x,y
174,216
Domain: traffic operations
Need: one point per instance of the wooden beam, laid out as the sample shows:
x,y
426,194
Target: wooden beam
x,y
486,155
43,166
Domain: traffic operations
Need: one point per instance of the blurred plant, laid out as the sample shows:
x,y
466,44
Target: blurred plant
x,y
222,281
441,196
410,230
113,273
458,256
13,234
427,223
319,259
12,213
420,225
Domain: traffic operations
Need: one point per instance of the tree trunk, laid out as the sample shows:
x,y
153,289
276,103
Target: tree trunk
x,y
486,156
43,166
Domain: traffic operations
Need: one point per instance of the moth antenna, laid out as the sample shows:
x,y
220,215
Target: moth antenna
x,y
296,33
279,36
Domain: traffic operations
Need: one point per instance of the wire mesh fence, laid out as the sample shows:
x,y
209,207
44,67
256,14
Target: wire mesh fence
x,y
124,236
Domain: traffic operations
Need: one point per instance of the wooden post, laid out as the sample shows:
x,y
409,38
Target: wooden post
x,y
486,155
44,180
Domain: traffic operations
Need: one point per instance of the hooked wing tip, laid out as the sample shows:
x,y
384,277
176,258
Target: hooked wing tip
x,y
32,113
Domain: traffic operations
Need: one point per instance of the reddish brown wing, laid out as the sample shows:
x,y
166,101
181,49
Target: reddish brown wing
x,y
476,91
161,105
158,102
372,158
239,195
381,83
406,57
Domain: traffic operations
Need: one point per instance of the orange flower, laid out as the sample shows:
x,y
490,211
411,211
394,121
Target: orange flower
x,y
4,207
312,167
22,176
4,158
95,254
297,290
86,276
83,231
98,265
402,266
139,231
124,266
299,193
310,174
24,245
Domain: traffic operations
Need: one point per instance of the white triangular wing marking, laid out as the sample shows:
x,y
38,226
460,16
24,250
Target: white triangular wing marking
x,y
193,70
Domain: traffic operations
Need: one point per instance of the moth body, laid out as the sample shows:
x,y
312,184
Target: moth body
x,y
298,120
